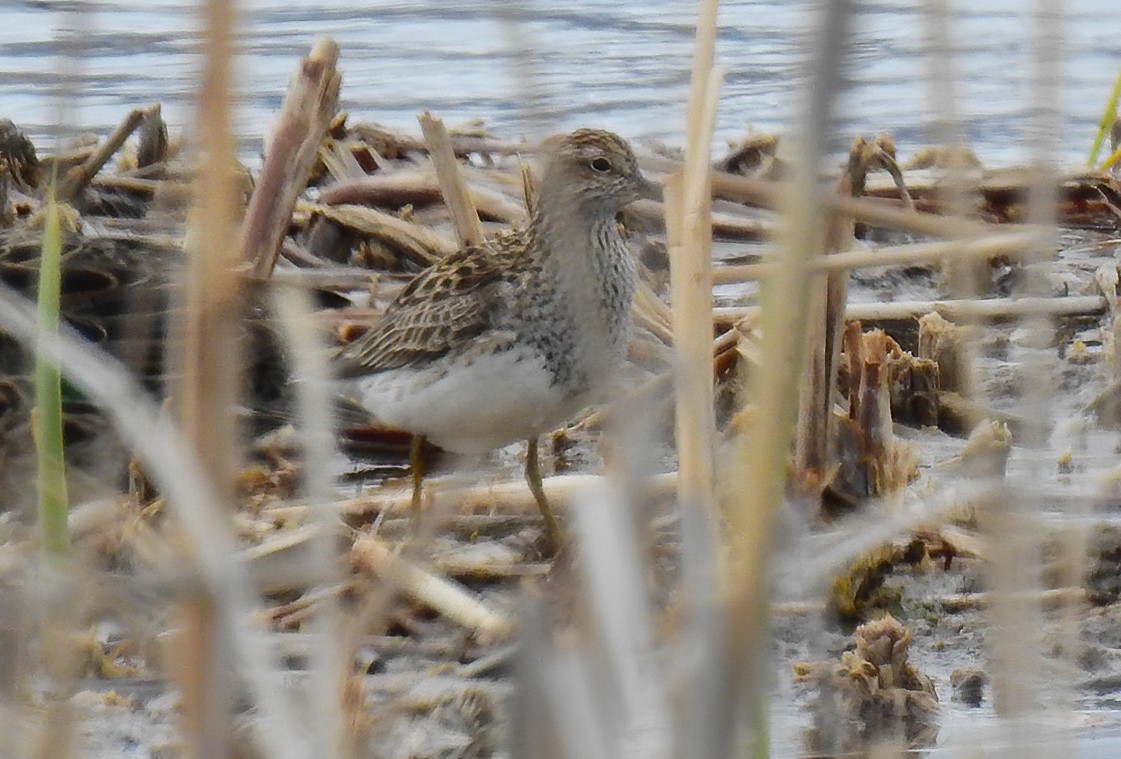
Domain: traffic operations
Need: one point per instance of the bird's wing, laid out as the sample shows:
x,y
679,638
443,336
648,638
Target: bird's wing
x,y
445,306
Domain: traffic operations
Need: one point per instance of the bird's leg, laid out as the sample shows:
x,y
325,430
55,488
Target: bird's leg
x,y
533,479
416,467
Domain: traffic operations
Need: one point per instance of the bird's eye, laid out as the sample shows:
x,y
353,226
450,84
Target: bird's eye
x,y
601,164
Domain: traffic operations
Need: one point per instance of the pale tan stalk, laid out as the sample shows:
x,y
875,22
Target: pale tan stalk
x,y
428,246
308,108
456,195
442,595
505,496
688,216
419,188
762,449
78,178
650,312
333,656
992,308
989,246
692,308
871,211
1013,525
208,376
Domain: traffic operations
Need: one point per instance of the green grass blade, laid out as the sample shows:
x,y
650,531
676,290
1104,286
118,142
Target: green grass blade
x,y
48,396
1106,122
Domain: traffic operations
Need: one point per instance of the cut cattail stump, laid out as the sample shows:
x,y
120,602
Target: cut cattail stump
x,y
813,442
153,149
986,451
946,344
874,692
871,462
913,382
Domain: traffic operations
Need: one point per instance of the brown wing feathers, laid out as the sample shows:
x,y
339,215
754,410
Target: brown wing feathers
x,y
444,306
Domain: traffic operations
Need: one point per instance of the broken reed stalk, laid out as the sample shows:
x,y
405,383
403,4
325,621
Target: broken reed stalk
x,y
691,274
424,244
506,497
335,651
308,108
963,309
693,386
208,373
419,188
812,428
7,211
192,497
872,211
79,177
763,447
438,593
53,502
988,246
688,210
457,197
1013,525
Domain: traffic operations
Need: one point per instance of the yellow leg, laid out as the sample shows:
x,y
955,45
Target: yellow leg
x,y
533,479
416,467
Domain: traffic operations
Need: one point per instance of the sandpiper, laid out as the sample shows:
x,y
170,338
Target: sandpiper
x,y
509,339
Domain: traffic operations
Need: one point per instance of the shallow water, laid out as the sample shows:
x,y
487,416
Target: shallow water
x,y
624,66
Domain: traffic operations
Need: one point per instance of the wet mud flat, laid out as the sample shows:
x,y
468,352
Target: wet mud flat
x,y
945,404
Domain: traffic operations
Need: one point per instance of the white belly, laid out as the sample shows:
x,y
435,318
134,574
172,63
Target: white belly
x,y
494,400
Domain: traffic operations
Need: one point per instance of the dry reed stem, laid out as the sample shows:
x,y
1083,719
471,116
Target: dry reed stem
x,y
724,224
813,442
692,326
650,312
512,496
654,390
440,594
989,246
332,658
178,473
991,308
418,188
423,243
1013,524
688,216
208,375
79,177
763,449
880,213
308,108
457,197
1051,598
167,188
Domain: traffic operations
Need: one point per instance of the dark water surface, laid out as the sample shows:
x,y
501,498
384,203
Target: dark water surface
x,y
622,65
